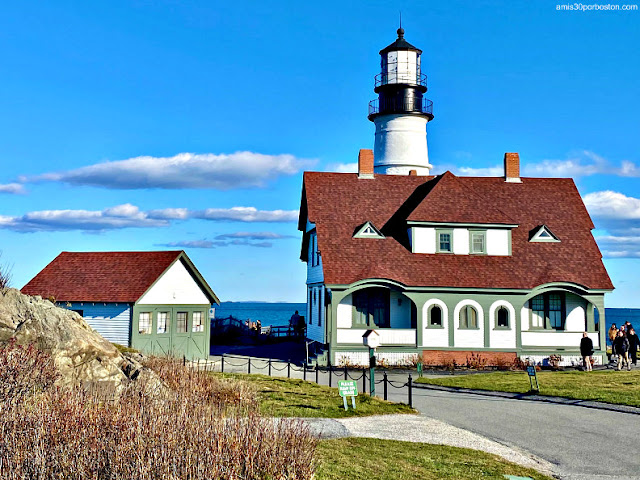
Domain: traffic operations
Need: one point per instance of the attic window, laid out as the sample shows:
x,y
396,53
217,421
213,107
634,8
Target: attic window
x,y
367,230
542,233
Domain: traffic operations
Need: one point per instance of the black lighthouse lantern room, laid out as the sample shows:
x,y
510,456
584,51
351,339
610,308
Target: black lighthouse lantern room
x,y
400,85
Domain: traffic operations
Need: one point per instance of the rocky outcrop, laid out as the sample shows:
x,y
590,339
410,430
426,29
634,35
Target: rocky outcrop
x,y
81,355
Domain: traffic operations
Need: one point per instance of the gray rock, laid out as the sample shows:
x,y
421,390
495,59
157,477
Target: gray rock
x,y
81,355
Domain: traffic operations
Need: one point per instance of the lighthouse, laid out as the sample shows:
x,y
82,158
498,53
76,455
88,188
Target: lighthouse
x,y
400,113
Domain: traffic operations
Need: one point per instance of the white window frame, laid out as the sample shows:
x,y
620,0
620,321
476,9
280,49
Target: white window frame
x,y
145,321
162,318
199,325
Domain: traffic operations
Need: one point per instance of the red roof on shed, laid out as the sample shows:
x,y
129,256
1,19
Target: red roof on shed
x,y
121,277
339,202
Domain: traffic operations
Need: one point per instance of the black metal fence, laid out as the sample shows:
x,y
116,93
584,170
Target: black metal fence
x,y
279,368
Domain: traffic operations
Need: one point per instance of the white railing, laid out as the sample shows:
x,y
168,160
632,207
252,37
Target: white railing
x,y
552,338
388,336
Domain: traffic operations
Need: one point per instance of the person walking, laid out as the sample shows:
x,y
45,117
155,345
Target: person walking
x,y
613,333
586,350
621,349
634,344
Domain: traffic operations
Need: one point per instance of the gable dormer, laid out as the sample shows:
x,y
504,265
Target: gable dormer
x,y
542,233
367,230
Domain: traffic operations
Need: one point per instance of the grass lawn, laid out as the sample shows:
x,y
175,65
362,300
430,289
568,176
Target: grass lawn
x,y
604,386
367,458
282,397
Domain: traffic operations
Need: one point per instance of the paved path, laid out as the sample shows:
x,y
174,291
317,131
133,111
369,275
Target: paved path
x,y
420,428
582,443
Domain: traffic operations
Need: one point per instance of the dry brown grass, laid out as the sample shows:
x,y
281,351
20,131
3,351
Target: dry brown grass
x,y
205,428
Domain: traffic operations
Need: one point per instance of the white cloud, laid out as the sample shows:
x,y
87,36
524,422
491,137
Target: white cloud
x,y
121,216
185,170
12,188
619,215
579,164
130,216
612,205
216,244
496,171
343,167
234,214
254,236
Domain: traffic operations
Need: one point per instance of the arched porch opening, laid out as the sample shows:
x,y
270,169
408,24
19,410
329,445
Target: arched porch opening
x,y
379,306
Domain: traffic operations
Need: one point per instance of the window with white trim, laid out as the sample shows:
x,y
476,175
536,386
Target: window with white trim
x,y
196,321
478,241
444,241
144,323
502,317
435,316
468,317
181,322
163,322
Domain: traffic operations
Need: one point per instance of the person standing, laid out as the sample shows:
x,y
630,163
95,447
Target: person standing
x,y
634,343
586,350
613,333
621,349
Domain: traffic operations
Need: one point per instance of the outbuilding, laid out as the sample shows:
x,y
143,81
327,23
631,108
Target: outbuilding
x,y
156,302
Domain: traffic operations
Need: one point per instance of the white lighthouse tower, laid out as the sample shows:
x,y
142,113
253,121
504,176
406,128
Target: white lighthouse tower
x,y
400,113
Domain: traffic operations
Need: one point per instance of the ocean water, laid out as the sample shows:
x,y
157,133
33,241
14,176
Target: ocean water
x,y
274,314
278,314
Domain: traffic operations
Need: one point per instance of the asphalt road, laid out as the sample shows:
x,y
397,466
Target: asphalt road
x,y
583,443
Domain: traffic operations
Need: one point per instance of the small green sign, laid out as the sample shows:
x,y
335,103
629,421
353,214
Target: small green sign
x,y
347,388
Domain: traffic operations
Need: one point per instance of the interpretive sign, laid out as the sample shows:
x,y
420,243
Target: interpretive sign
x,y
348,388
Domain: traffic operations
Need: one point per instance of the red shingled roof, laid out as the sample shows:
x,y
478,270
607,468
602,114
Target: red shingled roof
x,y
338,202
121,277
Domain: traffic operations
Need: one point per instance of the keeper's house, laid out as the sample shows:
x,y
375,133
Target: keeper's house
x,y
445,266
156,302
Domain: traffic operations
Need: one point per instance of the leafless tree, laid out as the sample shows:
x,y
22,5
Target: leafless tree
x,y
5,274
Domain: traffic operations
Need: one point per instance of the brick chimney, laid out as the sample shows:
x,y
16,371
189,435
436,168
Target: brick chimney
x,y
413,173
512,167
365,163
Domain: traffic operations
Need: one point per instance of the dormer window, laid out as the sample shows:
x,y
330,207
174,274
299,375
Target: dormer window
x,y
478,241
444,239
367,230
542,233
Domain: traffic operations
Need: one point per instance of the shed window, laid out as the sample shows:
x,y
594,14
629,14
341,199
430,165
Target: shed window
x,y
468,317
198,326
181,322
163,321
144,323
502,318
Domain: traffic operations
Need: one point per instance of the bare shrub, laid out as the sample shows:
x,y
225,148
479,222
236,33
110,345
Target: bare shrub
x,y
24,371
5,274
195,433
476,361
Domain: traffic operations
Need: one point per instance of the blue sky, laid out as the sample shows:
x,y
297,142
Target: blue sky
x,y
152,125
